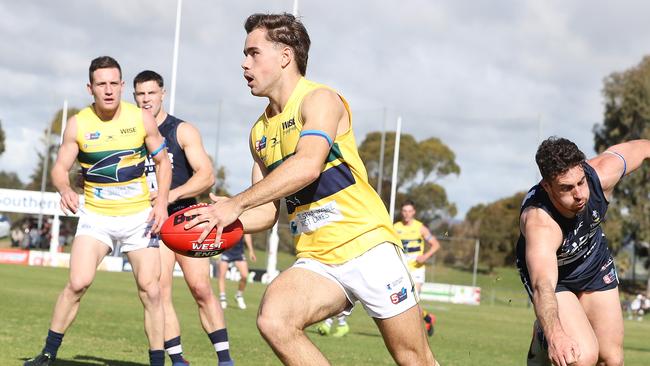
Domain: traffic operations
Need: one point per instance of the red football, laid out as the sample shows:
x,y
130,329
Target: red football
x,y
184,242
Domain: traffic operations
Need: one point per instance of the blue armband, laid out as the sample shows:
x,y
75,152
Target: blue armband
x,y
317,133
159,149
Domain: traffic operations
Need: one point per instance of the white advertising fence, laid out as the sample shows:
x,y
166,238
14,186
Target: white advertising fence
x,y
455,294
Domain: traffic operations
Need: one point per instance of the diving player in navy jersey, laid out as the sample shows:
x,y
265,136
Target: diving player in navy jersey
x,y
563,258
191,175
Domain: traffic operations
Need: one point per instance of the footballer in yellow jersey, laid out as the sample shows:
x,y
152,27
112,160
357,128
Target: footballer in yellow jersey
x,y
413,235
338,216
110,139
304,151
112,158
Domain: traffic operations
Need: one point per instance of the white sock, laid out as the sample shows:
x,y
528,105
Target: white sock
x,y
342,320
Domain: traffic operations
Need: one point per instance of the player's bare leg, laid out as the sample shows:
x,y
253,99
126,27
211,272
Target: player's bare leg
x,y
405,338
242,267
146,270
606,319
576,325
429,318
282,319
86,254
197,277
223,268
167,262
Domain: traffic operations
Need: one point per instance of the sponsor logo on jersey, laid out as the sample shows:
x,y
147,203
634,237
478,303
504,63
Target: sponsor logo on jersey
x,y
260,144
128,131
118,192
290,124
595,217
396,283
92,135
398,297
309,221
610,277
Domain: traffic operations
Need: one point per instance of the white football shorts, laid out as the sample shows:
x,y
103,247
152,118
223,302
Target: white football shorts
x,y
379,279
133,232
418,275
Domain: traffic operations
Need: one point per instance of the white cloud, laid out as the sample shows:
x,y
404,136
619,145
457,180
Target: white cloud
x,y
479,75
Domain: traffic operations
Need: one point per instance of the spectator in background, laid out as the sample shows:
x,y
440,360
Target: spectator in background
x,y
34,237
24,243
638,307
17,236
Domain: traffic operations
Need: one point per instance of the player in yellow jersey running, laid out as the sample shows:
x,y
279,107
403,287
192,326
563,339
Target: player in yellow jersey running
x,y
111,139
413,235
304,150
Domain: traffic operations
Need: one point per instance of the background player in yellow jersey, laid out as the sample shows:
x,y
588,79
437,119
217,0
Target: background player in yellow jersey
x,y
413,235
110,138
304,150
191,175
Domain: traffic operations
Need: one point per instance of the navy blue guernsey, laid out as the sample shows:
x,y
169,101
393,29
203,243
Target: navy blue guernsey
x,y
584,260
181,169
234,254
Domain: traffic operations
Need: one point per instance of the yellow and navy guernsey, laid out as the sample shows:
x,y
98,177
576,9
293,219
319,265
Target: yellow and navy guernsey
x,y
112,156
339,216
412,241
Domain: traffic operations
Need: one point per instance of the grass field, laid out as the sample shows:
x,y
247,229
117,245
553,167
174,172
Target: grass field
x,y
108,329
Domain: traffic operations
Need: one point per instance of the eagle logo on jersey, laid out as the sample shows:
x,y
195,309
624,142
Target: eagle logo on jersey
x,y
109,167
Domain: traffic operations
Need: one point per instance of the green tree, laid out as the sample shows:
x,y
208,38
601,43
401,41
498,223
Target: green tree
x,y
10,180
421,165
496,225
627,117
2,139
220,186
55,135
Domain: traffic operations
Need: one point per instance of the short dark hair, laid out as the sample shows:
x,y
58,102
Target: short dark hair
x,y
407,203
284,28
556,155
148,75
103,62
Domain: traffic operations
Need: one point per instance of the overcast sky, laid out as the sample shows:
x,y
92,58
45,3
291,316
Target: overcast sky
x,y
483,76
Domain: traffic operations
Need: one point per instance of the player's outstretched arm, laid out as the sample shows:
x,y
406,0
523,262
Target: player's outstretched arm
x,y
543,238
617,160
434,245
154,142
68,152
190,141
